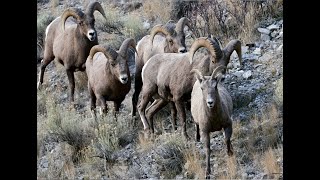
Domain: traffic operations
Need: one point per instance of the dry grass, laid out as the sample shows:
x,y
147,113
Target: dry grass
x,y
133,27
170,148
230,19
54,3
270,165
232,167
157,10
193,163
145,144
278,93
112,24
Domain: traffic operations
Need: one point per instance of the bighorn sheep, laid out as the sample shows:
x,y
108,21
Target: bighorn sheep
x,y
211,109
173,41
168,76
108,75
226,52
69,41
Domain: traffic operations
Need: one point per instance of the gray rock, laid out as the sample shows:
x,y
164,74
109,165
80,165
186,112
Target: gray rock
x,y
280,35
264,31
146,25
247,74
274,34
273,27
257,51
244,175
274,46
265,57
265,37
45,165
238,73
250,57
280,48
244,49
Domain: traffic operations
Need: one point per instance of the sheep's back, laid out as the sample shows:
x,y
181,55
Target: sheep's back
x,y
197,107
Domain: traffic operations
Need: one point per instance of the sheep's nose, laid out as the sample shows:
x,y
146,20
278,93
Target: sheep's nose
x,y
91,33
124,79
210,102
183,50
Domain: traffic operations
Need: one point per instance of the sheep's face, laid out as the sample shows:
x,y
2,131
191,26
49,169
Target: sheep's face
x,y
120,69
209,90
176,44
87,27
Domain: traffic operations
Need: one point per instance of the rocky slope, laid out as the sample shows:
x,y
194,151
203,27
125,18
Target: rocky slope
x,y
255,87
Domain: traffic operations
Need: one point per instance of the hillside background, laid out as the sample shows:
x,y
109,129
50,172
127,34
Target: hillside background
x,y
71,146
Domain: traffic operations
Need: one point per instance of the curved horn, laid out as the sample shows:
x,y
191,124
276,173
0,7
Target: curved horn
x,y
156,29
197,72
106,50
231,46
217,70
95,6
181,23
217,40
76,13
170,21
126,44
210,44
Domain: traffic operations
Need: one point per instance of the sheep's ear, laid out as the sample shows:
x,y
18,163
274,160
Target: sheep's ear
x,y
219,77
198,74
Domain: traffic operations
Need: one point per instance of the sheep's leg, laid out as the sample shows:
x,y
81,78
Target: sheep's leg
x,y
182,115
44,64
188,105
103,105
206,140
116,105
135,96
71,83
141,109
93,100
197,132
173,116
228,133
153,109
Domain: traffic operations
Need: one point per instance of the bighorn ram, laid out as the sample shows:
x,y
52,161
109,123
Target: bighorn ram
x,y
226,52
211,109
69,41
168,76
109,75
173,41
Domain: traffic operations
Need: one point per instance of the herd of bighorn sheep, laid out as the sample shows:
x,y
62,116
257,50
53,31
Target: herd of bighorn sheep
x,y
166,72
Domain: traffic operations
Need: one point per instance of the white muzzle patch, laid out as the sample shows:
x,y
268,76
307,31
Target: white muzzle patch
x,y
91,35
210,103
123,79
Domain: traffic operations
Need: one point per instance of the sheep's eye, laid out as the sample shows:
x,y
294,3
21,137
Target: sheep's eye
x,y
170,41
80,23
113,64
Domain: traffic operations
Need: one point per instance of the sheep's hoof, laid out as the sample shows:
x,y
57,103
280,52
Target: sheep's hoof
x,y
207,175
147,133
93,114
230,153
186,137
